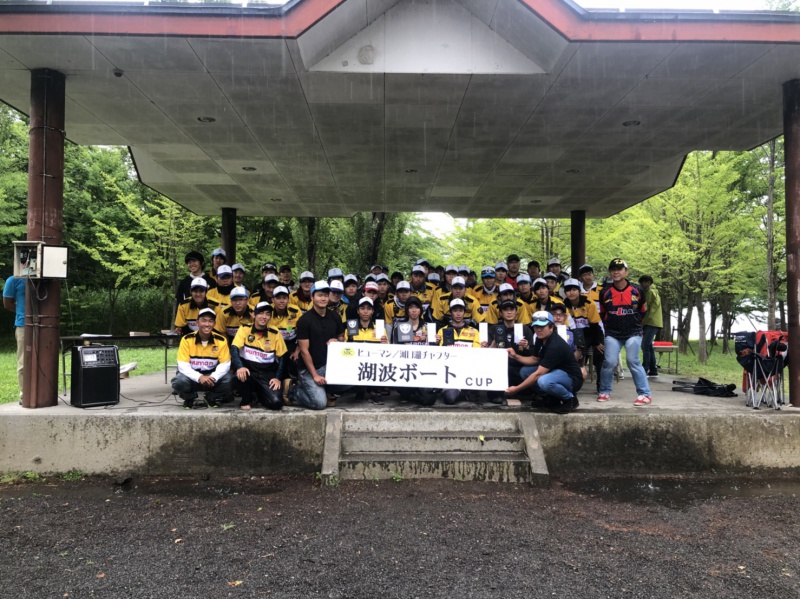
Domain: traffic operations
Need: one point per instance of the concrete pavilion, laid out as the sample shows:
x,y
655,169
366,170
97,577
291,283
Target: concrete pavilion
x,y
479,108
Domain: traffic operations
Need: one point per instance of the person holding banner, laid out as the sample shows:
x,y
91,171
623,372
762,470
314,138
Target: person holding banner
x,y
413,331
316,329
552,369
509,333
363,331
458,333
257,354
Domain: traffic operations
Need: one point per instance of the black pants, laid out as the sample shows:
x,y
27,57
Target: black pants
x,y
257,385
424,397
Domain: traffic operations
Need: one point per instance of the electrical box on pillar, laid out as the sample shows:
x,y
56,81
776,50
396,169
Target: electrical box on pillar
x,y
37,260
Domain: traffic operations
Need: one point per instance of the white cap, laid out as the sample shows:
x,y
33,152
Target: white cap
x,y
207,312
365,300
219,252
500,265
320,286
237,266
371,286
306,274
336,286
457,302
403,285
271,277
523,278
419,269
238,291
280,289
505,287
224,270
335,272
458,281
433,277
571,283
538,281
351,278
450,268
382,277
553,261
262,307
199,282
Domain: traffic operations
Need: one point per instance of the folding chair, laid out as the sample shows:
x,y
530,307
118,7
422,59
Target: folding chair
x,y
763,356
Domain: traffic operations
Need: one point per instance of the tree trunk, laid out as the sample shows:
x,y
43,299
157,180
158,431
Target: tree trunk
x,y
771,287
702,344
378,227
311,253
782,307
683,330
712,325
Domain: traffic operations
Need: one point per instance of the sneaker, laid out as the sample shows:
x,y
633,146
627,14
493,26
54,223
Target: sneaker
x,y
565,406
603,396
652,375
211,403
643,400
187,405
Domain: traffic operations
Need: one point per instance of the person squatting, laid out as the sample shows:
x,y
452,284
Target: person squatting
x,y
268,345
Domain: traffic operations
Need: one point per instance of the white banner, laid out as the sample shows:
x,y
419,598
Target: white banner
x,y
428,366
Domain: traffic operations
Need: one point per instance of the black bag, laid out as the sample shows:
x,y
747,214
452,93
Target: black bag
x,y
704,387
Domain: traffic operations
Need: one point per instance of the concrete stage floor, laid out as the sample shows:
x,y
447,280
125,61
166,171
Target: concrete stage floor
x,y
149,432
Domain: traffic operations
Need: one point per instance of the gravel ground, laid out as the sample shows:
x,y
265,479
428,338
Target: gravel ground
x,y
290,537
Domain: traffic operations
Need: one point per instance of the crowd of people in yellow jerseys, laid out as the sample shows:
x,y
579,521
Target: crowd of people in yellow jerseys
x,y
256,330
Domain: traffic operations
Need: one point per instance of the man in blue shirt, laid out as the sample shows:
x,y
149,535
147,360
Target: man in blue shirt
x,y
14,301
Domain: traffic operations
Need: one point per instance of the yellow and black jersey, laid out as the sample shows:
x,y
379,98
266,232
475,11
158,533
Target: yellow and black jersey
x,y
465,336
257,298
364,335
259,348
217,294
584,314
228,321
186,316
472,310
340,309
204,358
295,300
523,315
594,294
483,297
286,323
393,313
425,295
539,305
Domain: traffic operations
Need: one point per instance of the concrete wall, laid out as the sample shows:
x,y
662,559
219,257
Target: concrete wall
x,y
641,443
186,443
162,444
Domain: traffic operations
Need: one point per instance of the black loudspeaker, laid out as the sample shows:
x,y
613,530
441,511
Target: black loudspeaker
x,y
95,376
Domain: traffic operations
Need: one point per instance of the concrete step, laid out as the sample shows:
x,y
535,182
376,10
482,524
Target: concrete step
x,y
504,466
430,421
426,441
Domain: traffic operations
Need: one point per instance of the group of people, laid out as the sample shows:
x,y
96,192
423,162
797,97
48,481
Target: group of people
x,y
269,344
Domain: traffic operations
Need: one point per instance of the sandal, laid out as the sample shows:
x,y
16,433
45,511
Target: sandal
x,y
245,407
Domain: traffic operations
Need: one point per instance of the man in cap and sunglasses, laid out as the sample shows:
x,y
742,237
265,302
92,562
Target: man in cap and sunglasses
x,y
552,370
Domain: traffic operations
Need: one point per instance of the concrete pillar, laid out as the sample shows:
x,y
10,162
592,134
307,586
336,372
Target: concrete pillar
x,y
45,218
229,235
791,146
577,240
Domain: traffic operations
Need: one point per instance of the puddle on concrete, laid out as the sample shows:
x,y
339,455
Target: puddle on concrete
x,y
682,491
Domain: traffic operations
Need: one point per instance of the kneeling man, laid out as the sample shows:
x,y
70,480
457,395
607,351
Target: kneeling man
x,y
552,368
204,363
257,353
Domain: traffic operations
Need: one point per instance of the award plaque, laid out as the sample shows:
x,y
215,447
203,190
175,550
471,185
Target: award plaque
x,y
404,332
500,335
352,328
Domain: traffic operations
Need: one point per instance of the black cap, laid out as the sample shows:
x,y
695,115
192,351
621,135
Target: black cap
x,y
617,263
269,266
555,307
195,256
285,268
512,258
507,304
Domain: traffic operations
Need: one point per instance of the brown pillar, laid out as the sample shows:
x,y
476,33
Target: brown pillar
x,y
229,235
45,217
791,145
577,240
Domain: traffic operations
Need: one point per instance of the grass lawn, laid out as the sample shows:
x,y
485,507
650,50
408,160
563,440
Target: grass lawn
x,y
150,360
